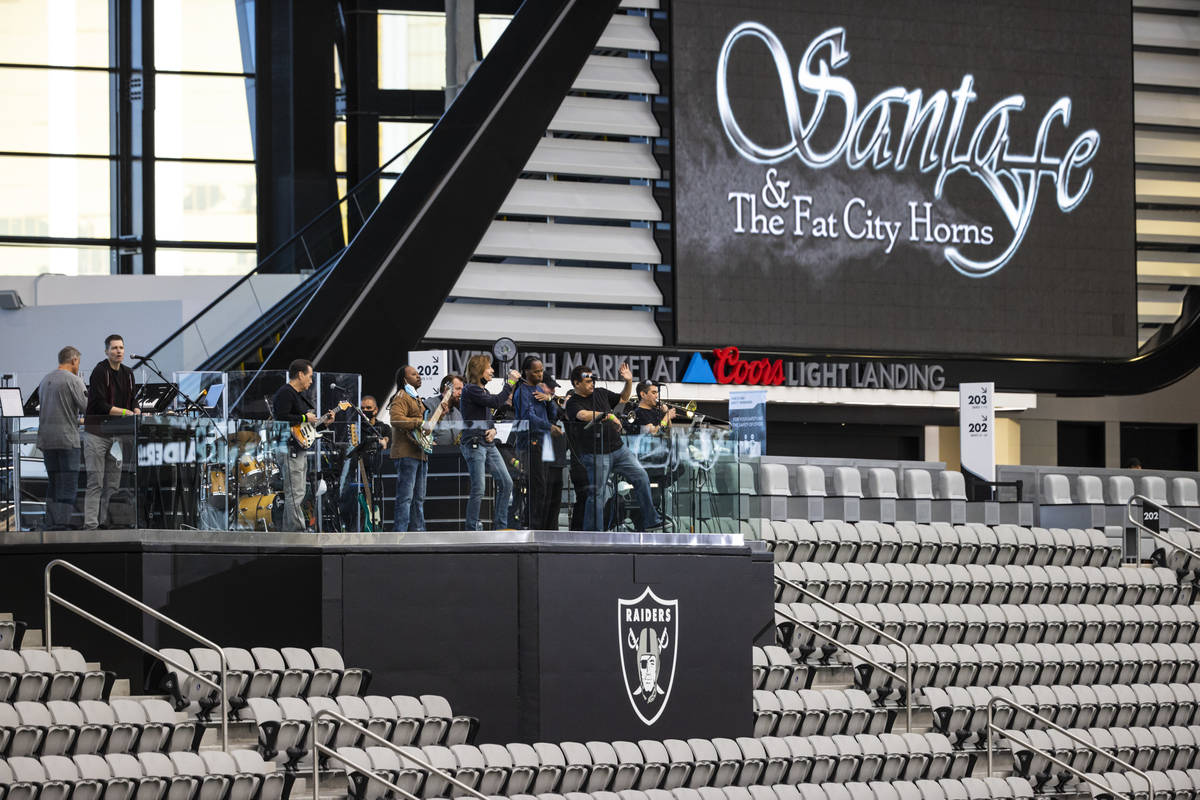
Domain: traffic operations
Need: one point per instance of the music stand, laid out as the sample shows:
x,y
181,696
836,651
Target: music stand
x,y
155,398
11,404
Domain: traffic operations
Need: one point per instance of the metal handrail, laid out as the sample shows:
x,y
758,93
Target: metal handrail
x,y
1156,534
138,643
354,766
326,712
992,728
909,655
847,647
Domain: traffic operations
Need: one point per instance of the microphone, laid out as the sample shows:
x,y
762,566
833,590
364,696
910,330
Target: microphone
x,y
140,358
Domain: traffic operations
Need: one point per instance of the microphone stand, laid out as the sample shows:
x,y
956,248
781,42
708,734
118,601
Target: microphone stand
x,y
356,452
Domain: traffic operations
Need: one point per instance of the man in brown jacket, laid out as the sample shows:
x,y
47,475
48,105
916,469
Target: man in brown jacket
x,y
412,465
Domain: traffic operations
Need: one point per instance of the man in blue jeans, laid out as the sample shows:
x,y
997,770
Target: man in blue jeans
x,y
407,414
478,442
597,435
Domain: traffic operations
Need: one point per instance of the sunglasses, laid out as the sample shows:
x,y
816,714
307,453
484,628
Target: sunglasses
x,y
586,376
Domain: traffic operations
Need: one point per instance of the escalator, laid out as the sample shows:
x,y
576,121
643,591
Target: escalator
x,y
364,306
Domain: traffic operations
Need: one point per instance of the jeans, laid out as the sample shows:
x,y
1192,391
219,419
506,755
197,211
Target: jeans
x,y
62,479
599,467
477,454
103,475
411,474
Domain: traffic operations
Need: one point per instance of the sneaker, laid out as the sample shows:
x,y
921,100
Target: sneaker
x,y
662,525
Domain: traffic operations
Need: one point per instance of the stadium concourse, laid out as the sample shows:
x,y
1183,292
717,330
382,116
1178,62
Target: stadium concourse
x,y
907,659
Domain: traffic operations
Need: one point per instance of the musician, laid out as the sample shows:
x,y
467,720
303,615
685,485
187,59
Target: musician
x,y
373,444
412,464
534,403
111,393
63,400
448,428
650,416
290,405
598,435
478,442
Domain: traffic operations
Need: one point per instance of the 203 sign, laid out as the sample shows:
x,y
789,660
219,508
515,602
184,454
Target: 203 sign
x,y
977,399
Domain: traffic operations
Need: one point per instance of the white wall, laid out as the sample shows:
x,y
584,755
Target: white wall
x,y
145,309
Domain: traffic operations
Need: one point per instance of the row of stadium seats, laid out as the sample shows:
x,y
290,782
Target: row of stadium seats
x,y
973,584
866,542
812,712
648,765
1144,748
284,724
258,672
59,675
1171,784
775,669
942,665
210,775
62,727
944,789
927,623
1178,492
961,713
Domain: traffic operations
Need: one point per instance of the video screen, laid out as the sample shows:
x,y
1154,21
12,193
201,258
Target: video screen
x,y
919,177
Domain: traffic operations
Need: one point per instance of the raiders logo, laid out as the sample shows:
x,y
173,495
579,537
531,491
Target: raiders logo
x,y
648,631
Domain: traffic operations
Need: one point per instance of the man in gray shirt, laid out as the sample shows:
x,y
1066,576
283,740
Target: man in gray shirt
x,y
62,401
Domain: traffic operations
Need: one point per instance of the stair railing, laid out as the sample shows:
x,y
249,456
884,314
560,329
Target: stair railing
x,y
316,747
993,729
909,656
354,767
49,597
1144,501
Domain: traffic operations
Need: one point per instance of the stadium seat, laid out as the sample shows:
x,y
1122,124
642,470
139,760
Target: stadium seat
x,y
807,501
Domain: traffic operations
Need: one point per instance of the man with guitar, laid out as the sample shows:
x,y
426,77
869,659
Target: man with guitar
x,y
412,461
290,405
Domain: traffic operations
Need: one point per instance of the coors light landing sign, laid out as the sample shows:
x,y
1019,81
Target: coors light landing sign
x,y
917,176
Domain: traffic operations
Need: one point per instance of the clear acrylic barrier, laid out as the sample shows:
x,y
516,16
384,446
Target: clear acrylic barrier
x,y
206,388
180,472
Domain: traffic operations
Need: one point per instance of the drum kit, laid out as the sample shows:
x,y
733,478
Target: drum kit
x,y
248,488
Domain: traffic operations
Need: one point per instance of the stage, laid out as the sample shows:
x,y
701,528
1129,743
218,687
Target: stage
x,y
537,633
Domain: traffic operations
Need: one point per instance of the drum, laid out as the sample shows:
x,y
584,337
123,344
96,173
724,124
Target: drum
x,y
256,511
218,491
252,477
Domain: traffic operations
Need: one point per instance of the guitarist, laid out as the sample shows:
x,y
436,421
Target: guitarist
x,y
290,405
412,465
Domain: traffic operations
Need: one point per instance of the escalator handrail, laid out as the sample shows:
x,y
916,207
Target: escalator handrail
x,y
258,267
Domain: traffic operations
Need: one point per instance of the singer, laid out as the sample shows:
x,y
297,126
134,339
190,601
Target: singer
x,y
602,450
111,392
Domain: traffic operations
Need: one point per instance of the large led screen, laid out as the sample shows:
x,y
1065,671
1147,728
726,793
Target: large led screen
x,y
932,176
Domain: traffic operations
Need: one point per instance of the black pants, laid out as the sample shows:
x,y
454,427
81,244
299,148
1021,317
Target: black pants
x,y
579,482
554,490
536,485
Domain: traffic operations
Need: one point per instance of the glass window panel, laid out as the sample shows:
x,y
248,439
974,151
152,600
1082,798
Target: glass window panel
x,y
68,33
394,137
199,116
21,260
54,111
339,147
54,197
203,262
490,28
198,35
205,202
412,51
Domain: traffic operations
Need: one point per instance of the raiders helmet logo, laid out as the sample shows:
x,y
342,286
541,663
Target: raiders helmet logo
x,y
648,631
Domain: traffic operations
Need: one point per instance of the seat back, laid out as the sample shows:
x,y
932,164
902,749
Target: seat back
x,y
1154,487
1089,489
917,485
810,481
1056,490
951,485
847,482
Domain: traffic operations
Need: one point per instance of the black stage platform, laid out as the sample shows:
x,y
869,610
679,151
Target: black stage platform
x,y
539,634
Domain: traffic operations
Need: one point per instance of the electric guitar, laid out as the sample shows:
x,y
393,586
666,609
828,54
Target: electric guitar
x,y
306,433
423,438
